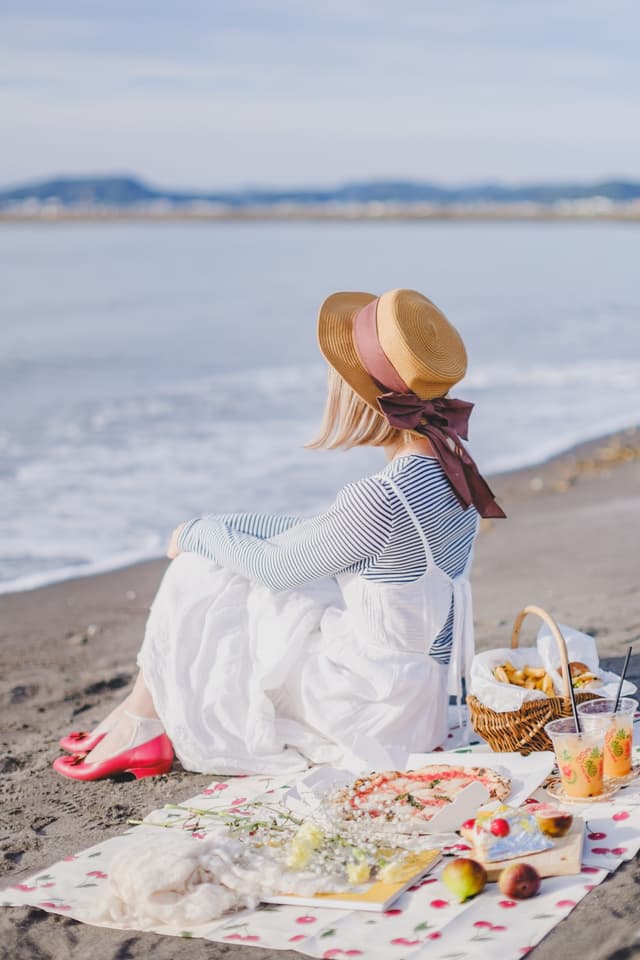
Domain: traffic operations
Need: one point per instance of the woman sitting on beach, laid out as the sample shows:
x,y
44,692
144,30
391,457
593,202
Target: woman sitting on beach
x,y
275,642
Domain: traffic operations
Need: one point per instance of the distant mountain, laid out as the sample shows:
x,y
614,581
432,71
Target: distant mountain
x,y
127,192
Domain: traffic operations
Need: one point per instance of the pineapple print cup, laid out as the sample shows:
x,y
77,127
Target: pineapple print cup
x,y
618,731
580,756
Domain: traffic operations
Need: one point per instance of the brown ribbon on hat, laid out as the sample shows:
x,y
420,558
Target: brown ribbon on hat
x,y
443,420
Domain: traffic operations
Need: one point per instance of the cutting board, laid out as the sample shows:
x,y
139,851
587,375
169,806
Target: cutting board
x,y
563,859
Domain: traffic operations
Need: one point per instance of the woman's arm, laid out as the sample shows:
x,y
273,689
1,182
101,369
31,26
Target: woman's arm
x,y
261,525
356,528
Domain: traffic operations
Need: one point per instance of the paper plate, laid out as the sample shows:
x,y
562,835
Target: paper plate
x,y
556,790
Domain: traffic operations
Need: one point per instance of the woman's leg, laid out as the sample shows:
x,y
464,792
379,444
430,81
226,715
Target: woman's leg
x,y
140,704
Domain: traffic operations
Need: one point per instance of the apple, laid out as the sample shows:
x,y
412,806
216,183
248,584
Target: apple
x,y
519,881
464,877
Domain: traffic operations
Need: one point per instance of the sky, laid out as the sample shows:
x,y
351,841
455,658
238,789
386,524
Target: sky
x,y
211,94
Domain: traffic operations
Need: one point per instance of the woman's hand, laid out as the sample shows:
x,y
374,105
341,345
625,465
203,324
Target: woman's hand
x,y
173,549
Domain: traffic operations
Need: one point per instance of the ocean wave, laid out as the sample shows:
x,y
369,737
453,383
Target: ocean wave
x,y
614,373
103,484
117,561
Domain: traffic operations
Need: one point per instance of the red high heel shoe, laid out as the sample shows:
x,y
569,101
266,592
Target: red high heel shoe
x,y
146,756
80,741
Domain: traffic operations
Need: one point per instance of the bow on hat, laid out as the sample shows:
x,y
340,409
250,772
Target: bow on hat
x,y
445,421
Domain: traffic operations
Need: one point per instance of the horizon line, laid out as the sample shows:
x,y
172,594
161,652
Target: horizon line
x,y
307,186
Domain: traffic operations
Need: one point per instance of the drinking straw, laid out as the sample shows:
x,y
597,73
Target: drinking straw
x,y
574,706
622,676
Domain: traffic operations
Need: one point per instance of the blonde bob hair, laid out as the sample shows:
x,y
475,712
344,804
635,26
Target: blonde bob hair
x,y
348,421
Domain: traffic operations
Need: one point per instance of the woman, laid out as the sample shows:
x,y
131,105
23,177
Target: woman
x,y
275,642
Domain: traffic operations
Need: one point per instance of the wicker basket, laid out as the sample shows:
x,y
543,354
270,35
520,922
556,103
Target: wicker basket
x,y
523,730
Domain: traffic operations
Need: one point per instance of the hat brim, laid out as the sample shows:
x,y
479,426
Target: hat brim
x,y
335,338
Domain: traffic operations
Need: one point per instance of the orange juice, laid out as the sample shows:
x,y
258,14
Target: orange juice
x,y
617,747
618,727
580,757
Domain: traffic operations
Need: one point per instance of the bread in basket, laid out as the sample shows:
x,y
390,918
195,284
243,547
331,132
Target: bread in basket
x,y
522,730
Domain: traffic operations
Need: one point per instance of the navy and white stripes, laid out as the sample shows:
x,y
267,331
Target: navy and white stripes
x,y
367,530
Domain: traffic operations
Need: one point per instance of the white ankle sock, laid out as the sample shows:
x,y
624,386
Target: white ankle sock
x,y
144,729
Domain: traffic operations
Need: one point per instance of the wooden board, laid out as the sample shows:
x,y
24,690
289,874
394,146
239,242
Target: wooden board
x,y
564,859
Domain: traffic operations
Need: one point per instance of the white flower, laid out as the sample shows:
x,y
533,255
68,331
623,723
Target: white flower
x,y
310,833
392,872
299,854
358,872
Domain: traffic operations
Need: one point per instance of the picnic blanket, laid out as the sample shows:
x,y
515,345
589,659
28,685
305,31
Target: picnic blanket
x,y
426,921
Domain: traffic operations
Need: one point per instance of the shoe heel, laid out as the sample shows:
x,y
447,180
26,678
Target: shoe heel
x,y
155,771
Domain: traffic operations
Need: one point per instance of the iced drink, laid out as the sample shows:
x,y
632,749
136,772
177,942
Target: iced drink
x,y
618,731
580,757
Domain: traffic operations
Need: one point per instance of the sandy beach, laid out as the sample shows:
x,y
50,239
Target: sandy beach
x,y
570,545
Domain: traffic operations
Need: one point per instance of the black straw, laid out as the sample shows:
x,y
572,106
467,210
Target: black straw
x,y
622,676
574,706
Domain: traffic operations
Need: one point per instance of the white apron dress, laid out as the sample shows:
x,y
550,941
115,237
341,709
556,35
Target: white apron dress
x,y
249,680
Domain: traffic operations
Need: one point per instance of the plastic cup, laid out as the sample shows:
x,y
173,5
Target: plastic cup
x,y
580,756
618,731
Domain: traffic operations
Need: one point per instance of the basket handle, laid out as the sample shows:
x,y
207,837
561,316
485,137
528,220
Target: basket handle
x,y
557,636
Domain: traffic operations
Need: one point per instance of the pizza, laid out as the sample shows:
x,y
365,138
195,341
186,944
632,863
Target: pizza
x,y
412,797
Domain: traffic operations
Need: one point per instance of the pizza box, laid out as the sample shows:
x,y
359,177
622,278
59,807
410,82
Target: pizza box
x,y
526,773
563,859
375,895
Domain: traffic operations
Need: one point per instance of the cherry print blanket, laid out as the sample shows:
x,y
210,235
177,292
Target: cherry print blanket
x,y
426,921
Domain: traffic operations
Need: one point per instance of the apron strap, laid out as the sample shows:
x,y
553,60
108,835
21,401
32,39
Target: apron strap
x,y
412,516
463,645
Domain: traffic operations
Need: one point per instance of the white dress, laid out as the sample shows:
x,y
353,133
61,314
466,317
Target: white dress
x,y
248,679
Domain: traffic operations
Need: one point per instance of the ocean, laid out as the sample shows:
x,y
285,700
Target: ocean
x,y
154,372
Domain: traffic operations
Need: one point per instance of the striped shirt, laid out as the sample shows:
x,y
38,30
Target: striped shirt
x,y
367,531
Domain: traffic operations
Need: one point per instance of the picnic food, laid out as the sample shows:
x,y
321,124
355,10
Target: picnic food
x,y
464,877
503,832
519,881
531,678
537,678
581,676
553,821
413,796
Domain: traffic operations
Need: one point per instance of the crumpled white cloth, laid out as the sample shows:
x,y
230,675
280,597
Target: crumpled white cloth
x,y
185,881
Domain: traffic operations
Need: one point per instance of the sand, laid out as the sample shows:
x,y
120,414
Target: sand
x,y
570,545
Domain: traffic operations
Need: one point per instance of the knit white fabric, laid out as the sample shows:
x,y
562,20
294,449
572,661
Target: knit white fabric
x,y
185,882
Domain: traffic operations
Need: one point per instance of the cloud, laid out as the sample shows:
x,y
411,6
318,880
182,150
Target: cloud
x,y
212,93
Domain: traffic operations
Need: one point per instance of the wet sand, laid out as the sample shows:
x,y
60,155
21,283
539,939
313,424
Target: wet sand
x,y
570,545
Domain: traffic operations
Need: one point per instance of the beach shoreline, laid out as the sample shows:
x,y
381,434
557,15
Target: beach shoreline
x,y
570,545
561,468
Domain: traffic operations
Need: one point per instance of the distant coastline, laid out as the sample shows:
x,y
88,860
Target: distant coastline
x,y
123,198
300,214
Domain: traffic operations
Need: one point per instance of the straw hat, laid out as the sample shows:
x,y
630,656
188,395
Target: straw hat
x,y
418,340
